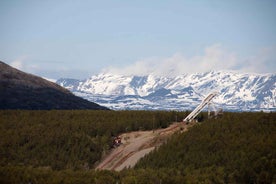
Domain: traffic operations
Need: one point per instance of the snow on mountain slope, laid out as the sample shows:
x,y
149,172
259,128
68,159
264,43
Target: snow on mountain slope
x,y
239,92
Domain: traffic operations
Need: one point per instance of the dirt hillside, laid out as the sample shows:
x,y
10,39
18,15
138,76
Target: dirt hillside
x,y
136,145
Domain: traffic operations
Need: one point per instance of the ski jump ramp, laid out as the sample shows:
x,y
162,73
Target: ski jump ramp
x,y
200,107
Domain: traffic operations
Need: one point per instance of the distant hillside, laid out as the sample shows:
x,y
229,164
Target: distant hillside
x,y
19,90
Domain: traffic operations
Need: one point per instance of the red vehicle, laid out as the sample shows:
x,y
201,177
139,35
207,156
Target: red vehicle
x,y
117,141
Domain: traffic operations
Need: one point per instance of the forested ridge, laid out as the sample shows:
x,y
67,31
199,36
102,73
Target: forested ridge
x,y
238,148
68,139
64,147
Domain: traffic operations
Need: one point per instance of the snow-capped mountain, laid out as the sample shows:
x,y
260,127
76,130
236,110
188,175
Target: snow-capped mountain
x,y
238,92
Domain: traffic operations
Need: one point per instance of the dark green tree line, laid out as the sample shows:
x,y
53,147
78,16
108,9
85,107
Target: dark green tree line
x,y
68,139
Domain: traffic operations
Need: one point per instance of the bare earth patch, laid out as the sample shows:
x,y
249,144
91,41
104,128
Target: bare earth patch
x,y
136,145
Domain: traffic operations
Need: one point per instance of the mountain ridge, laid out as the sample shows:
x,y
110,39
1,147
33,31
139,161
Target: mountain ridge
x,y
237,91
20,90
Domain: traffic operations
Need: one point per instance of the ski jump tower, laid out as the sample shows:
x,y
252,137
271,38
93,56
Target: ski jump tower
x,y
200,107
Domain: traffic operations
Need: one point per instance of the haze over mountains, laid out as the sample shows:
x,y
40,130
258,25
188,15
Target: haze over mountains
x,y
19,90
237,91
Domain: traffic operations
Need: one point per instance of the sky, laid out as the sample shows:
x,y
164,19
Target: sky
x,y
77,39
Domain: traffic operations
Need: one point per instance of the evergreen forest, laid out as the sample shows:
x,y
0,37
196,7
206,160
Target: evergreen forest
x,y
64,146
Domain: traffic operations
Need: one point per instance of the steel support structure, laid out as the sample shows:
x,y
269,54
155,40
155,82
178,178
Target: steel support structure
x,y
200,107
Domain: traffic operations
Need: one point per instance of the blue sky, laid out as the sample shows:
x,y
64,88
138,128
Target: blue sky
x,y
63,38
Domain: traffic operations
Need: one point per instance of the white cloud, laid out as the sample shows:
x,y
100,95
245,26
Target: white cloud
x,y
213,58
22,63
18,64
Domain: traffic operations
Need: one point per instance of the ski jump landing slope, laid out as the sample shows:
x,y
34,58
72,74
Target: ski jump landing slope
x,y
136,145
